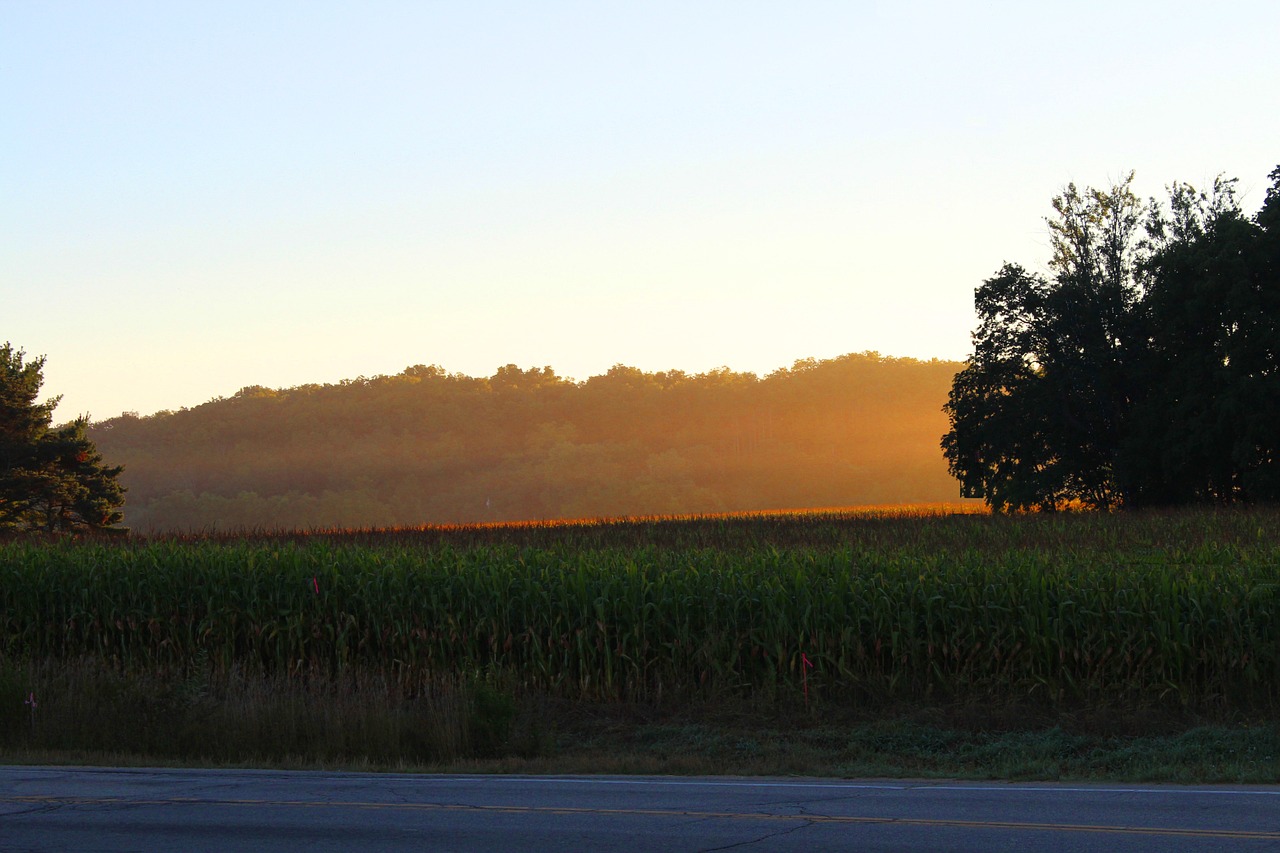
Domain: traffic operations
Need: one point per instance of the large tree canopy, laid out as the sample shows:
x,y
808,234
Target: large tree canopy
x,y
51,479
1144,371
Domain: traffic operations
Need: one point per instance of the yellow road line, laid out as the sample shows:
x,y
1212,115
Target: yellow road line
x,y
677,813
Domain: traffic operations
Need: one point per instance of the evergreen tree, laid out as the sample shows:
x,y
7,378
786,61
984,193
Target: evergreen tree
x,y
51,479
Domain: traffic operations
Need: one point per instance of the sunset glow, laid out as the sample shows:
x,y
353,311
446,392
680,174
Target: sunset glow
x,y
200,198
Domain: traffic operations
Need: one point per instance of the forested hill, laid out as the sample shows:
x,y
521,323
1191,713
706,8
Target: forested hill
x,y
426,446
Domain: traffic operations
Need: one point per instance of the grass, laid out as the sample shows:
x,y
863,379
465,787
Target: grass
x,y
897,749
90,716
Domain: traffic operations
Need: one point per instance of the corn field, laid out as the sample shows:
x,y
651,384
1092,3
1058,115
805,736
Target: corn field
x,y
1106,609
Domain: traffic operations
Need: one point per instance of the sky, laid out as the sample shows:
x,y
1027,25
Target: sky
x,y
197,197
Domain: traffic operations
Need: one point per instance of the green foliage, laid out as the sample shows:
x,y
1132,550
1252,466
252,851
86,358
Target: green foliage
x,y
1175,609
1145,372
489,719
51,479
15,716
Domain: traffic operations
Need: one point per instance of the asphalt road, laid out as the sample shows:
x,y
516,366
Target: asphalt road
x,y
96,809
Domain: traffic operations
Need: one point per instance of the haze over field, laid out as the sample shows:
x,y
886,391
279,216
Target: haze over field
x,y
425,446
199,198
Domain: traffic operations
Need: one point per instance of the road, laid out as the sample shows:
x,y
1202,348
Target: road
x,y
99,809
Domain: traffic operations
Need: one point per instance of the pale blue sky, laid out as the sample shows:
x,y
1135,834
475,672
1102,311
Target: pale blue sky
x,y
195,197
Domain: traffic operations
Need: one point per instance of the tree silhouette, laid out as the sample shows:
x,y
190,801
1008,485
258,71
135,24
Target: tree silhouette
x,y
1143,372
50,479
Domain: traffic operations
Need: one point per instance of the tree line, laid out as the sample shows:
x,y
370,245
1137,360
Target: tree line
x,y
428,446
1143,371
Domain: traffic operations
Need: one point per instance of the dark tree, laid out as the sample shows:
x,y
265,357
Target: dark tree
x,y
1205,428
51,479
1036,414
1001,443
1145,372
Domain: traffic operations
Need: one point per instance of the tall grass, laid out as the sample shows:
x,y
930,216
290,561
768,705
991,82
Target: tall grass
x,y
1180,607
231,716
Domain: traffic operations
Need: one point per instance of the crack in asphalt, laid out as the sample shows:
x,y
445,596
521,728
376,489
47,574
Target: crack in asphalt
x,y
802,816
768,835
35,808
